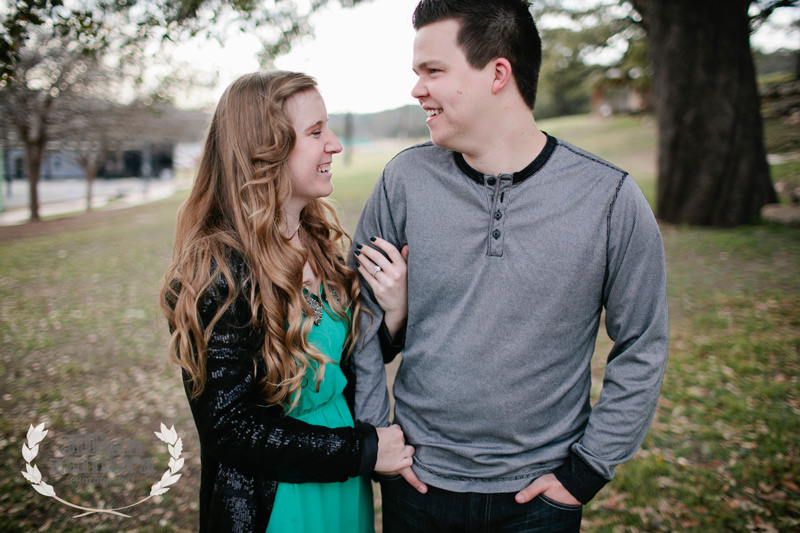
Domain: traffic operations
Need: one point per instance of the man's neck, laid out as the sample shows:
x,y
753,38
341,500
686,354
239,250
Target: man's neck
x,y
509,152
516,141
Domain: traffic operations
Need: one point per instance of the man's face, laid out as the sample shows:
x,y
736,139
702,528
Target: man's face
x,y
448,88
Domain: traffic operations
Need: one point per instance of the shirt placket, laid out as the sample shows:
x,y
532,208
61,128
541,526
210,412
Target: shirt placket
x,y
499,186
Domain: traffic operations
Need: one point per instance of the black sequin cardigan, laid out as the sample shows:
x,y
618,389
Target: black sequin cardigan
x,y
248,447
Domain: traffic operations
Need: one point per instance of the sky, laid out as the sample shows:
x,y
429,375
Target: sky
x,y
361,56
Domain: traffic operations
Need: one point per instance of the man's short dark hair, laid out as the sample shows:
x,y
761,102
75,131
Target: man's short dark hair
x,y
492,29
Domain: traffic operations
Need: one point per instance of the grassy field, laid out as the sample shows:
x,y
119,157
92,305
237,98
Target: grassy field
x,y
84,350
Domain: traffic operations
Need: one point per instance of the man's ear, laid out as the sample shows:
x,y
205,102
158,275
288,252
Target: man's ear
x,y
502,74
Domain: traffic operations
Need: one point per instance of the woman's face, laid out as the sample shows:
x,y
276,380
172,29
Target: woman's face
x,y
310,159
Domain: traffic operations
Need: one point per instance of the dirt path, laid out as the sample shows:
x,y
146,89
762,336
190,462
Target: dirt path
x,y
77,222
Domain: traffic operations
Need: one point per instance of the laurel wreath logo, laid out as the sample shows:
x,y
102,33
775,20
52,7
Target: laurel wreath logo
x,y
37,434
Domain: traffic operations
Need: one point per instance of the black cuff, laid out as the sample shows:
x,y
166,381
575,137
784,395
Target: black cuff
x,y
391,347
369,447
579,478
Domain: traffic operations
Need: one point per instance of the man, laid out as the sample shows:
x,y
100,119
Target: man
x,y
517,243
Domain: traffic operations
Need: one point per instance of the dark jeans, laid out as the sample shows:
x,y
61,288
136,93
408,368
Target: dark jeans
x,y
439,511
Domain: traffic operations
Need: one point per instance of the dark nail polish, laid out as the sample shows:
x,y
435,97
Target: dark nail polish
x,y
372,239
358,264
358,253
358,246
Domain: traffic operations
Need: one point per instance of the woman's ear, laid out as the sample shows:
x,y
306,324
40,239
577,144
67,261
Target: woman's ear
x,y
502,74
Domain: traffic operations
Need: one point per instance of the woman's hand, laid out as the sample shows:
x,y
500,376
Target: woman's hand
x,y
387,276
393,453
394,456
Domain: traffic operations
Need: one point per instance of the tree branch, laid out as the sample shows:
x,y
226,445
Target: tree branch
x,y
766,11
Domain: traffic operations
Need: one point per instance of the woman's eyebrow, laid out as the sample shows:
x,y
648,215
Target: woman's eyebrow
x,y
317,124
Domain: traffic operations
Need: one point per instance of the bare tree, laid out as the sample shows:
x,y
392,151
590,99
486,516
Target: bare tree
x,y
91,156
100,128
90,135
49,50
49,72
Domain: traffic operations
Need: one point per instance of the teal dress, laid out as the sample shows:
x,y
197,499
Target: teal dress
x,y
324,507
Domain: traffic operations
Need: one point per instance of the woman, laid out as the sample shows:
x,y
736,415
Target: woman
x,y
263,311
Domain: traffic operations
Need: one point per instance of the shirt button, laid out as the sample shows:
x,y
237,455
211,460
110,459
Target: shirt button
x,y
498,215
491,182
496,234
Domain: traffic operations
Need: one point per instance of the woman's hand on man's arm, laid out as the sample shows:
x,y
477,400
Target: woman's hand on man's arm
x,y
386,274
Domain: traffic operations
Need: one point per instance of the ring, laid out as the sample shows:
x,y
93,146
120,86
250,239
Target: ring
x,y
376,270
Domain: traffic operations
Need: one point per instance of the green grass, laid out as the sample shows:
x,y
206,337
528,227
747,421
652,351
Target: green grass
x,y
781,135
722,453
84,349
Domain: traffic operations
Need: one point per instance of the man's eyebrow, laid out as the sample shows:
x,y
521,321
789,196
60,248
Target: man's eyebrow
x,y
431,63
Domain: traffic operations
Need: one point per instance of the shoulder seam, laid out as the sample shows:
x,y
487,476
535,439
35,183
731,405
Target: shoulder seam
x,y
389,206
613,204
608,224
595,159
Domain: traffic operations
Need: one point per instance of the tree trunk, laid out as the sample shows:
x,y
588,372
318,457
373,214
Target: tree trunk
x,y
89,183
92,161
712,165
34,151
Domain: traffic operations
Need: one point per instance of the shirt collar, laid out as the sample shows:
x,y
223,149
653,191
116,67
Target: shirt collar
x,y
518,177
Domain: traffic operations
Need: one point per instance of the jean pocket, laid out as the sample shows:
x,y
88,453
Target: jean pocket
x,y
558,505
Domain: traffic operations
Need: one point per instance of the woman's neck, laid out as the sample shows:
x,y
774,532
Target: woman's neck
x,y
310,280
291,227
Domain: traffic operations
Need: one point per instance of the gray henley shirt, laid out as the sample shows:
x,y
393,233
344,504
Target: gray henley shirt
x,y
508,278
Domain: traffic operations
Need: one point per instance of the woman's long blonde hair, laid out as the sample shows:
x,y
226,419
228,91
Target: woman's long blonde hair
x,y
236,205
